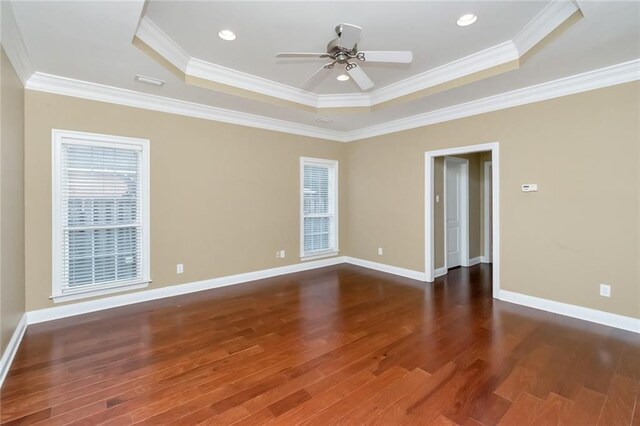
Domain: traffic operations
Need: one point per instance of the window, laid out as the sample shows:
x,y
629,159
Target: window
x,y
319,205
100,214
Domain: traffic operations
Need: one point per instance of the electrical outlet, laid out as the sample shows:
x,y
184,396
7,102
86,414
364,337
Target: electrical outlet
x,y
380,252
278,254
437,198
282,254
605,290
179,268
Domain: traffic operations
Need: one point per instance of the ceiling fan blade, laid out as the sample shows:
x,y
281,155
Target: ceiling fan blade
x,y
349,36
301,55
403,57
359,76
318,76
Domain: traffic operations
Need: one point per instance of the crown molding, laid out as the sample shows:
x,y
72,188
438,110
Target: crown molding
x,y
550,18
603,77
471,64
13,43
591,80
99,92
344,100
223,75
543,24
166,47
153,36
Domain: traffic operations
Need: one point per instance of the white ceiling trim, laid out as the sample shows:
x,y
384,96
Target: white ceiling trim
x,y
165,46
479,61
13,44
604,77
98,92
549,18
219,74
553,15
343,100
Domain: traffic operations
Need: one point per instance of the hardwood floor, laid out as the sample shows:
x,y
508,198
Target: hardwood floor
x,y
339,345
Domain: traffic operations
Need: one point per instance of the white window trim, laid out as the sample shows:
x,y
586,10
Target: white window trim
x,y
95,139
319,254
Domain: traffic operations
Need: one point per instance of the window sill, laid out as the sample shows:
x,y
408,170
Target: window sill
x,y
98,292
322,255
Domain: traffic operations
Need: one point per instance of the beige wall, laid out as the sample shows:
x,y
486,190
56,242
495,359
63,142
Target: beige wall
x,y
581,229
12,284
224,198
476,190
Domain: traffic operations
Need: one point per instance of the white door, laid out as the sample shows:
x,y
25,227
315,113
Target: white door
x,y
454,216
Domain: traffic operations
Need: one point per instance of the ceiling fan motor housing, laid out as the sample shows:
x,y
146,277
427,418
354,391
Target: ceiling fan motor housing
x,y
341,54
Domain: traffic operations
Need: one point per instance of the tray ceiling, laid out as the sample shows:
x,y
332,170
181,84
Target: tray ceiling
x,y
93,44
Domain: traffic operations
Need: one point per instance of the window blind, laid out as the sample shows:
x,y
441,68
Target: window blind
x,y
319,208
101,201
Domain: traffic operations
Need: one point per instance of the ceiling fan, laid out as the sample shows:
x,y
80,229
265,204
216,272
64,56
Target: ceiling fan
x,y
344,51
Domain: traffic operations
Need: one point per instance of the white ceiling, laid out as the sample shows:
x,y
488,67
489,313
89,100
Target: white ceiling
x,y
91,41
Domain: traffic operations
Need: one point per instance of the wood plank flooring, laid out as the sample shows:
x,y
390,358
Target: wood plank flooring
x,y
340,345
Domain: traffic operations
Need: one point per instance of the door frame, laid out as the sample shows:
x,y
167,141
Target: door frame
x,y
429,251
486,200
464,210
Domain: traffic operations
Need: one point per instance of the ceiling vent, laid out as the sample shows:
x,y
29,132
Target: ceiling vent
x,y
149,80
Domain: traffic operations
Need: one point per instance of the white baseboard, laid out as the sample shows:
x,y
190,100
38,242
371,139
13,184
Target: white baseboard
x,y
80,308
395,270
12,348
484,259
475,261
440,272
580,312
472,262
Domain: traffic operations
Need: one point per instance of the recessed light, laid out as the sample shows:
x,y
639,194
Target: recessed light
x,y
342,77
467,19
227,35
149,80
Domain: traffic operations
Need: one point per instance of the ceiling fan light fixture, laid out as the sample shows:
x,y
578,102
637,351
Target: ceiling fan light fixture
x,y
227,35
342,77
466,20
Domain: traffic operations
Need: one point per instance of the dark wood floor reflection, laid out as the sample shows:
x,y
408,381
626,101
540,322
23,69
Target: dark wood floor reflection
x,y
339,345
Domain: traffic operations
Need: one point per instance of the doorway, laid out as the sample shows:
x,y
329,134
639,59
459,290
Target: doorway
x,y
430,212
